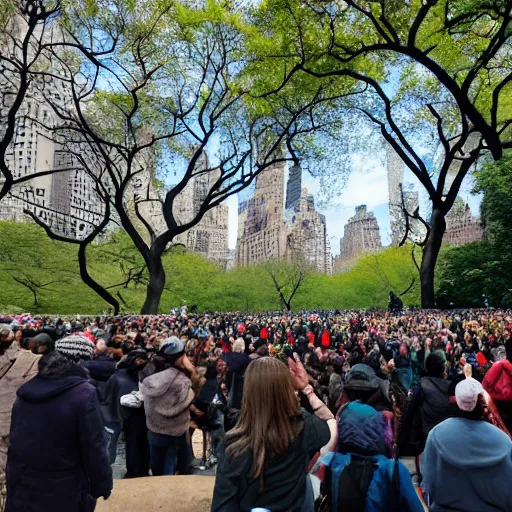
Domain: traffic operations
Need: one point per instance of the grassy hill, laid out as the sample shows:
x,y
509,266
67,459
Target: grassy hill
x,y
41,275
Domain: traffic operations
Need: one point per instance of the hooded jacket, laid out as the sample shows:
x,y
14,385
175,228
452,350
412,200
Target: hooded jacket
x,y
498,381
167,397
466,466
58,451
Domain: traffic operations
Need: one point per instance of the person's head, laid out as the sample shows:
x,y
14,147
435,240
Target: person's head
x,y
435,366
101,347
6,336
469,397
170,354
262,351
239,345
507,333
76,348
127,347
270,419
45,343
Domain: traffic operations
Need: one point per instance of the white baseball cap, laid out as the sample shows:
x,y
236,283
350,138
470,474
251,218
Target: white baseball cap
x,y
466,394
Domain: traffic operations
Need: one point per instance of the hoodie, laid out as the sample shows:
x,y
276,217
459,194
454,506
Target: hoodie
x,y
167,397
465,467
498,381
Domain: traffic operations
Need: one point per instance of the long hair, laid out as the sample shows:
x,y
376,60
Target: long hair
x,y
270,419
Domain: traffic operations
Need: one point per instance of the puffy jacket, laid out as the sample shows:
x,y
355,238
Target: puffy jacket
x,y
466,466
363,429
58,450
498,381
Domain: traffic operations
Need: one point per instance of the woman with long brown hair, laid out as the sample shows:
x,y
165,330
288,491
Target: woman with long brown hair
x,y
264,458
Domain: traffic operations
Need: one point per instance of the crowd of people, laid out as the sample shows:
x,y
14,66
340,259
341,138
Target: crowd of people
x,y
300,411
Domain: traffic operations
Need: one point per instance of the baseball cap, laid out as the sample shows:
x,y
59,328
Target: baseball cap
x,y
466,394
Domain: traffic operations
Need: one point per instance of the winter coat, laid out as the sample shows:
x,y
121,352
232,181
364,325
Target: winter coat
x,y
498,381
167,397
362,429
428,406
58,458
466,466
120,384
100,370
22,370
237,364
435,405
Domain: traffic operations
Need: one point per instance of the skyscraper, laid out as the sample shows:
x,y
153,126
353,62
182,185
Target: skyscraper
x,y
261,227
361,236
461,226
267,231
395,171
209,237
65,200
307,235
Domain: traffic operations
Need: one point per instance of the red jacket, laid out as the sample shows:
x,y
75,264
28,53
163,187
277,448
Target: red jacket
x,y
498,380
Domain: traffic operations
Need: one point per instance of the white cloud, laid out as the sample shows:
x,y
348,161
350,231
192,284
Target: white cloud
x,y
370,188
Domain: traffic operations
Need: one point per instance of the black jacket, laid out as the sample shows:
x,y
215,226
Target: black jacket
x,y
429,406
237,364
284,478
123,382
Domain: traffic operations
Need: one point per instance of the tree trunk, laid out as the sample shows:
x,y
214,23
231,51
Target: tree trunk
x,y
429,260
155,286
91,283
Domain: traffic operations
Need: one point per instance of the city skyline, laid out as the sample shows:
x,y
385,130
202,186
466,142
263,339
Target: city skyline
x,y
368,185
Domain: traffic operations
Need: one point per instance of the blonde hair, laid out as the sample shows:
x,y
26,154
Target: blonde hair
x,y
270,419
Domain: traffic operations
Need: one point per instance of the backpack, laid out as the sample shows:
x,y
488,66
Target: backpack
x,y
350,482
353,484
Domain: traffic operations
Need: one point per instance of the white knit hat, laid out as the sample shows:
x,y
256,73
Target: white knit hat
x,y
466,394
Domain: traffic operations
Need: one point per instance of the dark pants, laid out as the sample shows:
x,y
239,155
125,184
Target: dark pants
x,y
137,446
113,439
164,450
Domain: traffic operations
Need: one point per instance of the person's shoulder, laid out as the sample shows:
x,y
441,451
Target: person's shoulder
x,y
232,465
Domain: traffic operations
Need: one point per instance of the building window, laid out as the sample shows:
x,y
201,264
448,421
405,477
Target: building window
x,y
40,192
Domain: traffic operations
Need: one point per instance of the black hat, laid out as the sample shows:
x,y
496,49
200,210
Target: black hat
x,y
44,338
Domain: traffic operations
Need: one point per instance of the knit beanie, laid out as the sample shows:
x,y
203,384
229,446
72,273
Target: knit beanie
x,y
75,347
